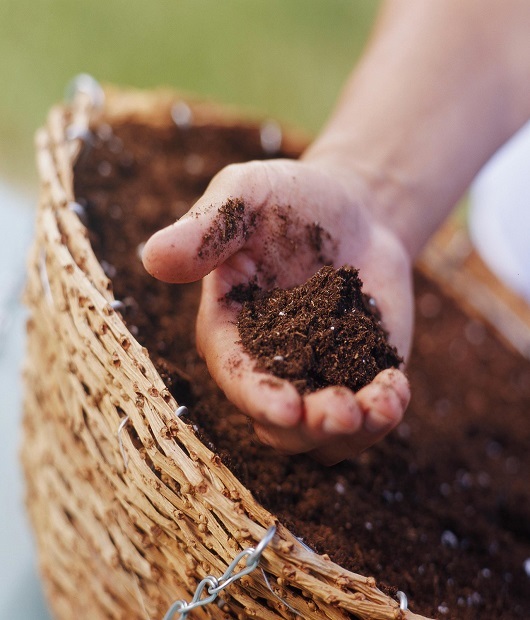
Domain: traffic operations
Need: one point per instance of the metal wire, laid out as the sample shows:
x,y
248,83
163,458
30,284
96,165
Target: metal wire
x,y
182,115
271,137
180,411
122,425
214,586
74,132
118,305
45,282
79,210
295,611
86,84
307,547
403,600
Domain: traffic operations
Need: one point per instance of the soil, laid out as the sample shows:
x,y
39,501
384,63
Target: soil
x,y
441,508
232,222
322,333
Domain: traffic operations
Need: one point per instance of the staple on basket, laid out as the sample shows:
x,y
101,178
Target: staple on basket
x,y
130,509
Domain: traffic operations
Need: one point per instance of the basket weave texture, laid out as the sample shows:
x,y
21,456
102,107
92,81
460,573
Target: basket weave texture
x,y
124,535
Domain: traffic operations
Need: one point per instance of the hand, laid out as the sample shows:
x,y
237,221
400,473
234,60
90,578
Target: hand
x,y
269,240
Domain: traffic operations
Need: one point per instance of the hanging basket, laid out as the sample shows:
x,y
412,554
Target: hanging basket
x,y
130,510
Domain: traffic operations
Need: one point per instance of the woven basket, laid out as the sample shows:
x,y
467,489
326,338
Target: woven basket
x,y
115,539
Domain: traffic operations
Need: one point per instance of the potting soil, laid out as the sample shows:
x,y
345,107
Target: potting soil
x,y
324,332
441,508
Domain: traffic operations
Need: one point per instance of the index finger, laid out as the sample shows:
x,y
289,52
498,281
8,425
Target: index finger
x,y
261,396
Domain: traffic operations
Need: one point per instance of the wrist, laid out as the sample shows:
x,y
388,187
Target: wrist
x,y
387,194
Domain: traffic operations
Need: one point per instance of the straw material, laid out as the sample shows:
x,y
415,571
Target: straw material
x,y
124,538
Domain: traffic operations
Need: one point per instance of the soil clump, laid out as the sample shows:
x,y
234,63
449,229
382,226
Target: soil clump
x,y
322,333
231,222
441,508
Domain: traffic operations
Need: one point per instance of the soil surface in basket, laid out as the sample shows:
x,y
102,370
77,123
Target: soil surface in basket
x,y
441,508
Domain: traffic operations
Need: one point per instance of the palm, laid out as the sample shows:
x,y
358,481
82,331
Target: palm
x,y
301,218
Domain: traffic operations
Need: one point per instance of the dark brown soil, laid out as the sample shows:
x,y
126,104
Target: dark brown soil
x,y
324,332
441,508
232,222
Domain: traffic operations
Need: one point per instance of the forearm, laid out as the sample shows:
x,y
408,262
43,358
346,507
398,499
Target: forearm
x,y
441,86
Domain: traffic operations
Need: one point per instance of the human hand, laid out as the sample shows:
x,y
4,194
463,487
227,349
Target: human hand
x,y
268,234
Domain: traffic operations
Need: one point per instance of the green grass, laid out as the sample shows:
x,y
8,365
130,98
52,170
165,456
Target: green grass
x,y
284,58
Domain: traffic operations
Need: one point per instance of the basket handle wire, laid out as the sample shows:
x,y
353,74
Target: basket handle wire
x,y
214,586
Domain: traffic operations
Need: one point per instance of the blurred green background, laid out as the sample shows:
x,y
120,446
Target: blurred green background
x,y
284,58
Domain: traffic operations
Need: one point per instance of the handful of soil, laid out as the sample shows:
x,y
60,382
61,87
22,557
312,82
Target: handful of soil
x,y
324,332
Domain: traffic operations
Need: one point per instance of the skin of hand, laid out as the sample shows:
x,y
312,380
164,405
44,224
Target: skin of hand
x,y
332,424
441,86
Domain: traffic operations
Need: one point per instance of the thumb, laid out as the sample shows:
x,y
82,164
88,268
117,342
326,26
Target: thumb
x,y
215,228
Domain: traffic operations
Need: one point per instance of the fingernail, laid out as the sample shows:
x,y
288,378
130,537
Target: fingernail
x,y
397,381
284,414
332,426
375,421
